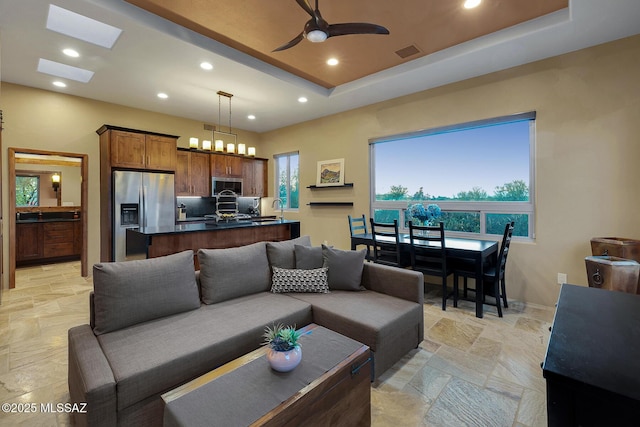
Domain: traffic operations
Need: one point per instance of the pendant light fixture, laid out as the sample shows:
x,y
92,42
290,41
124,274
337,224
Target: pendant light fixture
x,y
224,140
228,141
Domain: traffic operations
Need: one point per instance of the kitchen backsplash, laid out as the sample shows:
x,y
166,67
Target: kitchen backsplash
x,y
201,206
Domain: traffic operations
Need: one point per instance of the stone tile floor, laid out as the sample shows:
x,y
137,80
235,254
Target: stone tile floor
x,y
467,371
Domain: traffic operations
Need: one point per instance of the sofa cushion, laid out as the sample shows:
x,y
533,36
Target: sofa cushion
x,y
390,326
345,268
153,357
233,272
294,280
308,257
131,292
281,254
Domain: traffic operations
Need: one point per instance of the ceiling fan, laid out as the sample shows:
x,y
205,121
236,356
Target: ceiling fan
x,y
317,30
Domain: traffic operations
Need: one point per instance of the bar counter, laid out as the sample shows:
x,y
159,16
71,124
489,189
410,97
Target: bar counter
x,y
151,242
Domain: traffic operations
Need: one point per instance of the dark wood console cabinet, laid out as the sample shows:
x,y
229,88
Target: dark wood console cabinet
x,y
592,366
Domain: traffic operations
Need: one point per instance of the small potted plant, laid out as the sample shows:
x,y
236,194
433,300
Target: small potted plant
x,y
284,352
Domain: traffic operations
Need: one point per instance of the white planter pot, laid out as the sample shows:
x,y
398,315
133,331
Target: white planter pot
x,y
284,361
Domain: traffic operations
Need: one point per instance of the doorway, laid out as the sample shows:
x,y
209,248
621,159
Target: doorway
x,y
39,210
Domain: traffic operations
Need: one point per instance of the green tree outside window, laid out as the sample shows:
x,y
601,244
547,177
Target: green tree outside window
x,y
27,193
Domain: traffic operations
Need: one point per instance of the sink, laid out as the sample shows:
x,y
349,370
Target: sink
x,y
263,218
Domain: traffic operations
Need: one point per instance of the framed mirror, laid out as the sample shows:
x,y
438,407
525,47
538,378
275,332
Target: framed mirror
x,y
38,188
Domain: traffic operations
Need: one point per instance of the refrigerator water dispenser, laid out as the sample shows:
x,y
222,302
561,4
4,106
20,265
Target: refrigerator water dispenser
x,y
129,214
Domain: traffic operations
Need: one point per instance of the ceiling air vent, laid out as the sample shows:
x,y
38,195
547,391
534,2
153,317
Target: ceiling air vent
x,y
407,51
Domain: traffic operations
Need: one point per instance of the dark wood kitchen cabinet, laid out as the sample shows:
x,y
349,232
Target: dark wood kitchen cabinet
x,y
131,149
192,174
226,165
254,177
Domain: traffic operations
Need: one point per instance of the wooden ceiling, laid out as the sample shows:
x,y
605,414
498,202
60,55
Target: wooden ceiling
x,y
256,27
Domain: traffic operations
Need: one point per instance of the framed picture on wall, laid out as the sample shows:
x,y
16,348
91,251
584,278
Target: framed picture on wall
x,y
330,173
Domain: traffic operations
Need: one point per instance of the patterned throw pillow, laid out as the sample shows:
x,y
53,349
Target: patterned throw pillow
x,y
292,280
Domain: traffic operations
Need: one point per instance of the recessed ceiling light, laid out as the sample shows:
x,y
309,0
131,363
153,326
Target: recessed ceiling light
x,y
70,52
163,95
206,66
59,83
251,117
332,61
65,71
72,24
470,4
302,99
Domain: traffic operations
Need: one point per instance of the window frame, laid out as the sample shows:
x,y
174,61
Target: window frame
x,y
276,175
481,207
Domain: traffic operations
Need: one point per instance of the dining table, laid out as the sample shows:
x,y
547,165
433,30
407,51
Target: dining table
x,y
477,251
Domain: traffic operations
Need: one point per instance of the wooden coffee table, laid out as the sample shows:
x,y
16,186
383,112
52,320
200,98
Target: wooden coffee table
x,y
331,386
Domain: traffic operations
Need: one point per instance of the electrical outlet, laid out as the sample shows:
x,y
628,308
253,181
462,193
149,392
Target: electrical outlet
x,y
562,278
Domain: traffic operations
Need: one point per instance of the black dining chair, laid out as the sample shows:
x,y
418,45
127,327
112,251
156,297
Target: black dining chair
x,y
493,279
431,260
358,228
386,243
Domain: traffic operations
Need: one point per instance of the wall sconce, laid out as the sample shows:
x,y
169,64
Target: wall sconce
x,y
193,143
242,149
251,151
231,147
55,182
206,145
219,145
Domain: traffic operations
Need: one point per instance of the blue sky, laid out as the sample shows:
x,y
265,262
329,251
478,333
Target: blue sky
x,y
447,163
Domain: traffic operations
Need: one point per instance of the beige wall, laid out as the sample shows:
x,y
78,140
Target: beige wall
x,y
587,155
588,148
53,121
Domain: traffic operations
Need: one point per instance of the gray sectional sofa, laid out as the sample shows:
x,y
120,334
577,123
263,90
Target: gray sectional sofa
x,y
156,324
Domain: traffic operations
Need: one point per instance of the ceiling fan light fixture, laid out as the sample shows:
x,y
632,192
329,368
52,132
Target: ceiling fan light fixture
x,y
316,36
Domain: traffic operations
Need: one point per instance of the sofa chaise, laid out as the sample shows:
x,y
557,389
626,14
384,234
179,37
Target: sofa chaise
x,y
157,323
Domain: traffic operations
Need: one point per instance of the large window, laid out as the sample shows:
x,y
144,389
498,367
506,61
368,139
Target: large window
x,y
286,176
479,174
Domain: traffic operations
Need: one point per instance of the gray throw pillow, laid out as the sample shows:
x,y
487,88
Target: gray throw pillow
x,y
234,272
345,268
131,292
308,257
286,280
281,254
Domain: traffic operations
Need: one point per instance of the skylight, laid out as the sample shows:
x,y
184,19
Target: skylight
x,y
80,27
65,71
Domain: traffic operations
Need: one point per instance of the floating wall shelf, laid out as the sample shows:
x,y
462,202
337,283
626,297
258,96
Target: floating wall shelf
x,y
312,204
345,185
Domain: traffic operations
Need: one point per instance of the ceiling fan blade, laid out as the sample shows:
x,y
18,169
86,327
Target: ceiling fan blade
x,y
292,43
355,28
303,4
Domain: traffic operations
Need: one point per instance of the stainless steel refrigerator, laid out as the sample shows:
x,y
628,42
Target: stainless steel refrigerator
x,y
140,199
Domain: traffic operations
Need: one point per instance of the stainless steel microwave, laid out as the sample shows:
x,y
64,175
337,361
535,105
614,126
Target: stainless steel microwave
x,y
219,184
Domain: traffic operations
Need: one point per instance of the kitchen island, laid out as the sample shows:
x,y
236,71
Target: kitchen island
x,y
151,242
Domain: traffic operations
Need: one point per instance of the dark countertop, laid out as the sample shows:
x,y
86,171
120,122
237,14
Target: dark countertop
x,y
32,221
202,219
206,226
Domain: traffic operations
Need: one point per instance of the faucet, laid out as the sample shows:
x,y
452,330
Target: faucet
x,y
280,202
